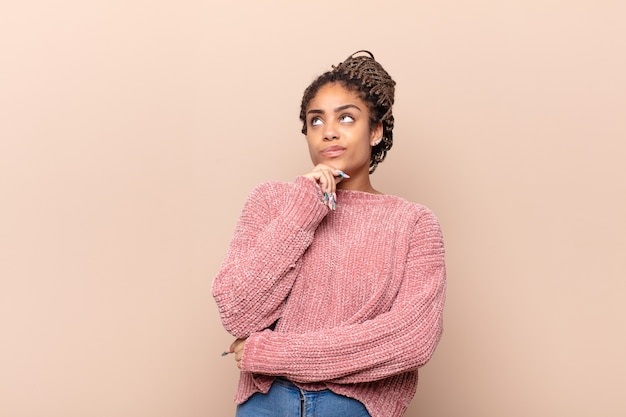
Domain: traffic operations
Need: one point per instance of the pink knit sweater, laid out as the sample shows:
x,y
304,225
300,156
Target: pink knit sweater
x,y
354,296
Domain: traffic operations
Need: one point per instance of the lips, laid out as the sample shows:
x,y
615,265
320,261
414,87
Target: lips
x,y
333,151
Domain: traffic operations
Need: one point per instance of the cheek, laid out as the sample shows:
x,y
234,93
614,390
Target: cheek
x,y
311,149
366,151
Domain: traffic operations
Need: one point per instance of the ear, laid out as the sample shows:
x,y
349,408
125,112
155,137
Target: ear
x,y
376,134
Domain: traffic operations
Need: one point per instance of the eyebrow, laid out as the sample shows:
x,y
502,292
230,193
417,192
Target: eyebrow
x,y
337,110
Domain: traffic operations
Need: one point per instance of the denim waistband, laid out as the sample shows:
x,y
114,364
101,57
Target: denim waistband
x,y
286,399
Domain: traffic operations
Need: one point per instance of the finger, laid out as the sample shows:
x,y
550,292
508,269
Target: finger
x,y
236,345
322,176
232,346
326,182
340,176
330,180
313,175
337,176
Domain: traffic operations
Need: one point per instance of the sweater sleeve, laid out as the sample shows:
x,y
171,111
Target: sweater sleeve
x,y
399,340
275,228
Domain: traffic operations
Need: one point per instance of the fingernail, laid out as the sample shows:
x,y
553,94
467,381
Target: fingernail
x,y
332,201
343,174
226,353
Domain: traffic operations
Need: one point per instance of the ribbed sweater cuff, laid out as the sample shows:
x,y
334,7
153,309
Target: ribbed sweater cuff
x,y
254,349
304,204
265,354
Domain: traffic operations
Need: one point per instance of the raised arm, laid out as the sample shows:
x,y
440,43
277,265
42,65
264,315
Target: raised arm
x,y
275,228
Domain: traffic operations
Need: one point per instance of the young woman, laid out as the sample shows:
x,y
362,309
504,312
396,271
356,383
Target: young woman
x,y
334,290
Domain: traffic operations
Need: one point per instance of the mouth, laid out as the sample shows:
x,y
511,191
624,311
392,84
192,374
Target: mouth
x,y
333,151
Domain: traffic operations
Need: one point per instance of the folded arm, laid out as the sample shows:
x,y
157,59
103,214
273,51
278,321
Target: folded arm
x,y
399,340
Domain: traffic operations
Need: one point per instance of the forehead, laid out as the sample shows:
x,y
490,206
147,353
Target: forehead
x,y
333,95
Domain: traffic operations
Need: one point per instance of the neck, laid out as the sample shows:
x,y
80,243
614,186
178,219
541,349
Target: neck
x,y
358,184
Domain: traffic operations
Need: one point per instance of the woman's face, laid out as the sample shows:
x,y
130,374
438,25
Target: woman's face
x,y
338,130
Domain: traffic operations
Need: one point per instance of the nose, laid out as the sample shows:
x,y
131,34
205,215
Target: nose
x,y
331,132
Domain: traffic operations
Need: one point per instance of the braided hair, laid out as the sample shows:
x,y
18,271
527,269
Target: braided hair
x,y
363,75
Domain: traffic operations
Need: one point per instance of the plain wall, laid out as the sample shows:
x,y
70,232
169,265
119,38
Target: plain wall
x,y
132,131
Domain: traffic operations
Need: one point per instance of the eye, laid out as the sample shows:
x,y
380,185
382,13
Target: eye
x,y
315,121
346,118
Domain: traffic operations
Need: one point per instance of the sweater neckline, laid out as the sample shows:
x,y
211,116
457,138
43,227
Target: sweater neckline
x,y
363,196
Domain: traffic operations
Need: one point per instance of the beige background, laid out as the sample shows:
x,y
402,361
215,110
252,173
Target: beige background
x,y
132,131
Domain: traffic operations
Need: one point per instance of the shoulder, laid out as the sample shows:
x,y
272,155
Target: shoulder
x,y
420,218
410,208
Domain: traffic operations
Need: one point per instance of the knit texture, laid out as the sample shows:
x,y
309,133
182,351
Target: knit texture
x,y
350,300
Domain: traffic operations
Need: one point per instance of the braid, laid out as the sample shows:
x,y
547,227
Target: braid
x,y
365,76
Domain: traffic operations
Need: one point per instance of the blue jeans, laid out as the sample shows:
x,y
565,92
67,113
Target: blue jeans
x,y
284,399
